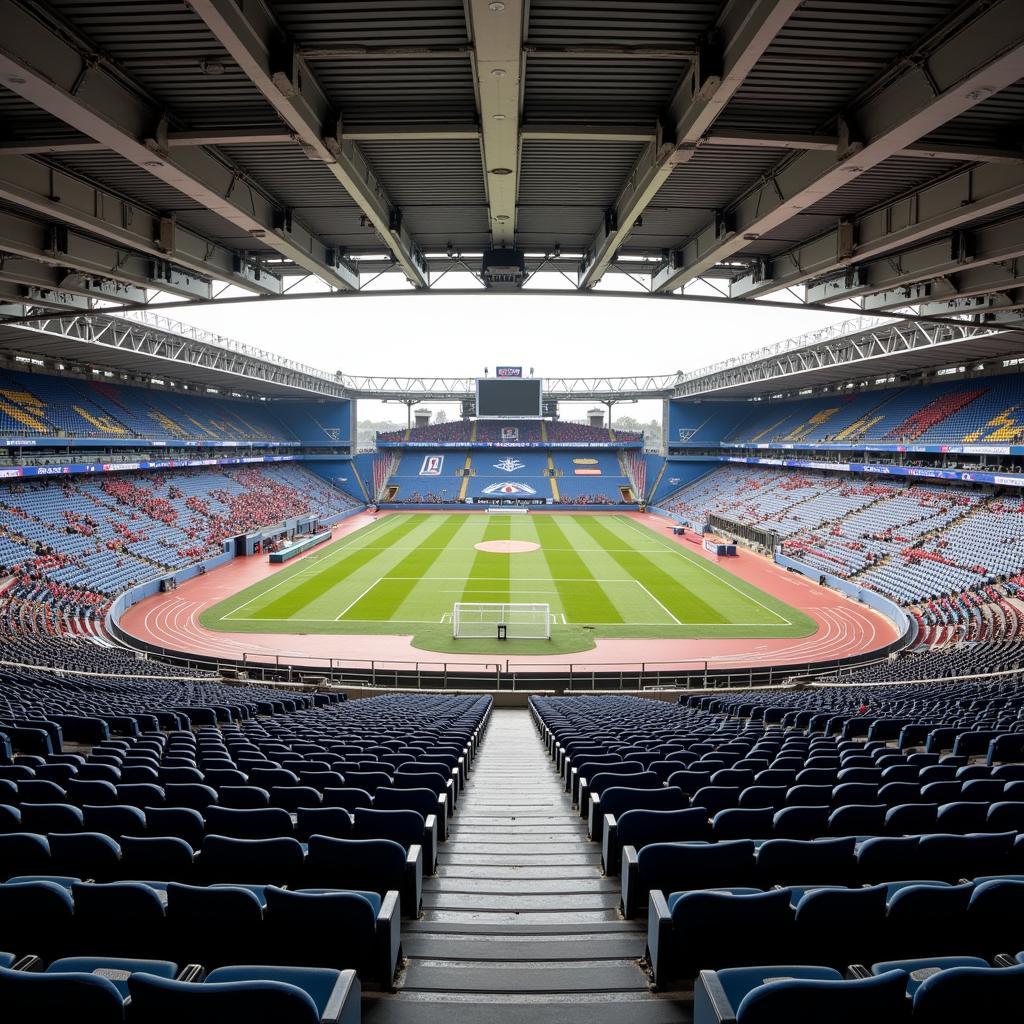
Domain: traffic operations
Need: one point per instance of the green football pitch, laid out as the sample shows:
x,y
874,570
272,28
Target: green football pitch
x,y
603,576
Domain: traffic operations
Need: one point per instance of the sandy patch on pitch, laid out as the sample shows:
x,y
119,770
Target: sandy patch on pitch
x,y
506,547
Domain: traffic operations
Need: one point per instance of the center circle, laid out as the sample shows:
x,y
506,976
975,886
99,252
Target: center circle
x,y
506,547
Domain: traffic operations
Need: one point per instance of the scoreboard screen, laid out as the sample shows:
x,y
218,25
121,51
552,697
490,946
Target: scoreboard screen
x,y
508,397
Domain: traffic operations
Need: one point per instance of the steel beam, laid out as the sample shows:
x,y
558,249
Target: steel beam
x,y
496,36
64,198
59,246
939,207
50,72
252,37
964,66
882,281
557,132
743,33
43,284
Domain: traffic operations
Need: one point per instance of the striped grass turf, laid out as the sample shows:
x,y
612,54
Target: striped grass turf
x,y
602,575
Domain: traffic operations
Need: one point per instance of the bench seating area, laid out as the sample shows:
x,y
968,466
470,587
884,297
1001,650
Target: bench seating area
x,y
283,835
752,840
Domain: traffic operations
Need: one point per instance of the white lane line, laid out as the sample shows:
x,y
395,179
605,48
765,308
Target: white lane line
x,y
699,563
359,598
658,603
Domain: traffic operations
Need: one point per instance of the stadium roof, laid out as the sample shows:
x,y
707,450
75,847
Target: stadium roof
x,y
853,151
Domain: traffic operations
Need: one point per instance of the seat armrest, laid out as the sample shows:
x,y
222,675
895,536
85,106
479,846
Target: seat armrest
x,y
191,972
412,895
442,817
1004,960
430,844
29,964
344,1002
856,972
389,937
595,817
630,881
582,795
711,1005
458,780
659,937
452,795
611,854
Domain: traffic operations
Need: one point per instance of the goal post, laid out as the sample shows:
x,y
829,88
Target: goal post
x,y
501,621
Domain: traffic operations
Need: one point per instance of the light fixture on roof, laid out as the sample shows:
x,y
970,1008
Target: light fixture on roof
x,y
16,80
501,170
496,6
213,68
498,72
498,117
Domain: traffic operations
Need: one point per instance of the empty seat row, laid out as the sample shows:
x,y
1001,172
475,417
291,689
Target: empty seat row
x,y
407,827
107,990
380,865
830,926
672,867
944,990
216,925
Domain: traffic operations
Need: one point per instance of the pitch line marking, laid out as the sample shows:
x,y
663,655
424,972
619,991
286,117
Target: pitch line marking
x,y
697,560
657,602
356,601
333,549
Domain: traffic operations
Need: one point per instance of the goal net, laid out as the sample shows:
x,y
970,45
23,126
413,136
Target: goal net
x,y
508,621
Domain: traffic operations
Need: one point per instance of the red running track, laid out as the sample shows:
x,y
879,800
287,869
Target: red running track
x,y
845,628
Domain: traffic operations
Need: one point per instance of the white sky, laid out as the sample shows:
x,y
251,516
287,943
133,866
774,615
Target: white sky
x,y
460,335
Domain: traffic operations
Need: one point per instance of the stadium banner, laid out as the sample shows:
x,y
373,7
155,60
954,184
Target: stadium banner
x,y
935,449
432,465
510,433
73,468
508,371
561,445
882,469
141,442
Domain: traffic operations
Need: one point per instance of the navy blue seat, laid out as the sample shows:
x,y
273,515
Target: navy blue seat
x,y
284,995
291,798
140,794
804,862
35,917
51,818
801,822
858,820
783,994
85,855
743,823
640,828
838,926
277,861
674,866
715,929
255,823
118,919
167,858
964,993
376,865
910,819
323,821
190,794
994,913
180,822
115,820
242,797
214,925
715,798
921,920
29,998
334,928
349,798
